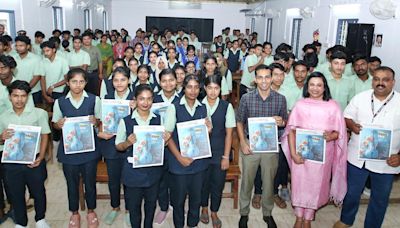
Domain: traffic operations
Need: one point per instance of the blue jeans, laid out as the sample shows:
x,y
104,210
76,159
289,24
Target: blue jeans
x,y
381,186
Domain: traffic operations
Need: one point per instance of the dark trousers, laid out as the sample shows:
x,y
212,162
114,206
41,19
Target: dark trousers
x,y
55,132
213,186
72,175
188,184
381,186
92,85
37,98
243,90
114,170
136,196
18,177
163,192
281,177
3,186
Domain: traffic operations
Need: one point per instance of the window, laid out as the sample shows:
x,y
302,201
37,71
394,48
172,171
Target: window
x,y
253,25
341,34
58,19
296,28
88,22
269,30
7,19
105,21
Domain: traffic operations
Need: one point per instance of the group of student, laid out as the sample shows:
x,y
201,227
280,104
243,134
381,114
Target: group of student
x,y
311,93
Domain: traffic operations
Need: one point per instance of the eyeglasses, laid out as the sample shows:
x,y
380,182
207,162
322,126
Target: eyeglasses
x,y
264,77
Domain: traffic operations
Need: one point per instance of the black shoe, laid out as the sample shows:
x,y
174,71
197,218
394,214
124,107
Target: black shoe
x,y
243,221
270,221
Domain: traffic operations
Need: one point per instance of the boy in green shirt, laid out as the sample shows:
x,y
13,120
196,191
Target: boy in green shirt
x,y
21,176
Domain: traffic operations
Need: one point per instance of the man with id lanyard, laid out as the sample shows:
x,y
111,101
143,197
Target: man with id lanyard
x,y
377,108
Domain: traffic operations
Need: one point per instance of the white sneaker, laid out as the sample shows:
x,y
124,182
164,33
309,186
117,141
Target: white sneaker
x,y
42,224
19,226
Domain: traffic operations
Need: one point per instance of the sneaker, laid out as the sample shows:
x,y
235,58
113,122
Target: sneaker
x,y
160,217
367,191
110,217
19,226
285,194
127,219
42,224
270,221
243,221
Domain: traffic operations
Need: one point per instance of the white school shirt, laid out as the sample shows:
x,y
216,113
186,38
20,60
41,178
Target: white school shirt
x,y
359,110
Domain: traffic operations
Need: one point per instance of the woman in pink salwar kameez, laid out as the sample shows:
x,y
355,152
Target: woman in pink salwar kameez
x,y
314,184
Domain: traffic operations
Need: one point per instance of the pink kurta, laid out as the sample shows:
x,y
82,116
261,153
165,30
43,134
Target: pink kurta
x,y
314,184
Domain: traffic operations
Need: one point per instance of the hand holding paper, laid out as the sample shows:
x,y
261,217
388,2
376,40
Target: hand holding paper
x,y
7,133
131,139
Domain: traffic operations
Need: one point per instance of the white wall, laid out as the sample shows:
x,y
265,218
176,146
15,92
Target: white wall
x,y
31,17
325,19
131,15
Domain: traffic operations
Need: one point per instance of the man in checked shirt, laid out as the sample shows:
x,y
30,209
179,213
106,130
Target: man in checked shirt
x,y
261,102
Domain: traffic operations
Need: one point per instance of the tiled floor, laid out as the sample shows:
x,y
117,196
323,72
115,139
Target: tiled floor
x,y
58,215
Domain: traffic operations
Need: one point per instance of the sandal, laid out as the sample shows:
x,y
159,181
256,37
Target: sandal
x,y
74,221
255,202
92,220
205,218
279,201
216,223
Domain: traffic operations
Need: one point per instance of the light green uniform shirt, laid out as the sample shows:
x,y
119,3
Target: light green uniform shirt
x,y
36,49
247,77
166,99
292,94
170,114
27,68
54,72
121,131
57,114
361,86
230,121
78,58
342,90
31,116
5,102
63,54
229,80
268,60
325,69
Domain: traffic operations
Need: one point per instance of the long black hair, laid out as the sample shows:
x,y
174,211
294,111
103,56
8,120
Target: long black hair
x,y
327,93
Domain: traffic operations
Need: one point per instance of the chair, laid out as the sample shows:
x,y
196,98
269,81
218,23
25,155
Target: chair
x,y
233,173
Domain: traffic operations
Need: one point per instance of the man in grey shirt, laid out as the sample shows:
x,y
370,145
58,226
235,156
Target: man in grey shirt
x,y
95,69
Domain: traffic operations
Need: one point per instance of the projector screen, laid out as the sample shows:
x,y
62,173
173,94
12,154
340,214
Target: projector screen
x,y
202,27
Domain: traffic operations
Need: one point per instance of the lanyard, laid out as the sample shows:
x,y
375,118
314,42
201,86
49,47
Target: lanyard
x,y
375,114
